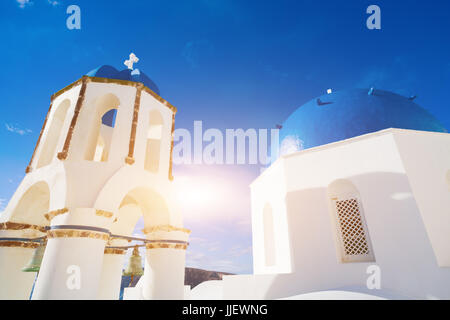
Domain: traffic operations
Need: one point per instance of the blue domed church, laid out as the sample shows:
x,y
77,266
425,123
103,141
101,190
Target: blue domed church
x,y
350,113
357,205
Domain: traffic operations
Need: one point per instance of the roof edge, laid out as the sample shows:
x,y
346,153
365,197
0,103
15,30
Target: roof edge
x,y
342,142
115,81
358,138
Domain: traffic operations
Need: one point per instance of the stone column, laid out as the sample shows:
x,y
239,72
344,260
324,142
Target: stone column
x,y
165,263
15,253
111,277
72,264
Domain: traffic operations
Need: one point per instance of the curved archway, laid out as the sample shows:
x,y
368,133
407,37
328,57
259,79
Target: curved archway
x,y
53,134
151,204
140,208
33,205
100,138
269,236
351,233
130,178
140,202
153,146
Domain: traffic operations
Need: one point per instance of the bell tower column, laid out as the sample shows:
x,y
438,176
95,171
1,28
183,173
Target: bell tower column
x,y
15,253
111,278
72,263
165,263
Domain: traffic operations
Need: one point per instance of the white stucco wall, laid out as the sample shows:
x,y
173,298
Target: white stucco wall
x,y
77,182
273,196
375,165
208,290
426,158
88,188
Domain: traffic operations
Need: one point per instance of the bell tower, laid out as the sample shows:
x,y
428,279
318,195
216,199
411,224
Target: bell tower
x,y
102,161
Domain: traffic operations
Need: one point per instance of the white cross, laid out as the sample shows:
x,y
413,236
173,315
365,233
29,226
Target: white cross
x,y
133,59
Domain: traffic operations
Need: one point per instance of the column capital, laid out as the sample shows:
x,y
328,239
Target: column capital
x,y
167,232
20,226
166,228
166,245
115,251
51,214
71,231
18,243
89,217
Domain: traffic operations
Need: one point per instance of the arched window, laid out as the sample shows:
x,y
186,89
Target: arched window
x,y
153,147
347,211
53,135
105,136
100,152
269,236
101,135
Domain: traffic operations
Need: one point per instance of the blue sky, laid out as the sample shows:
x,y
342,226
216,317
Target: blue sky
x,y
231,64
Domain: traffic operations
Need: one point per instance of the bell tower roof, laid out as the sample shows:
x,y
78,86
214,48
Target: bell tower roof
x,y
107,71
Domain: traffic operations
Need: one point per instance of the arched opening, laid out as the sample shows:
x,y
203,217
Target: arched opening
x,y
53,135
269,236
141,208
352,235
105,136
33,205
153,146
100,154
100,139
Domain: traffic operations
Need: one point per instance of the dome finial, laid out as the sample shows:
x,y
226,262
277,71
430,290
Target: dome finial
x,y
133,59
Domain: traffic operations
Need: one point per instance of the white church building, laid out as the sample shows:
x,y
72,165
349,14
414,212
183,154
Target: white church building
x,y
362,185
349,200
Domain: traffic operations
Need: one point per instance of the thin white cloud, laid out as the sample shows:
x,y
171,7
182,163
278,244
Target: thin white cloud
x,y
24,3
16,129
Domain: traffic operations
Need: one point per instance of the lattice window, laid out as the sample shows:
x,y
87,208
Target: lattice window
x,y
352,230
353,233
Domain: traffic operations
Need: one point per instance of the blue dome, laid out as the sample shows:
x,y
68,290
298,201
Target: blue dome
x,y
350,113
110,72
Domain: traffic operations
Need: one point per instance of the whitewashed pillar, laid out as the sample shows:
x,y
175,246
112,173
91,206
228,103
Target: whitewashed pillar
x,y
15,253
72,264
165,263
111,276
